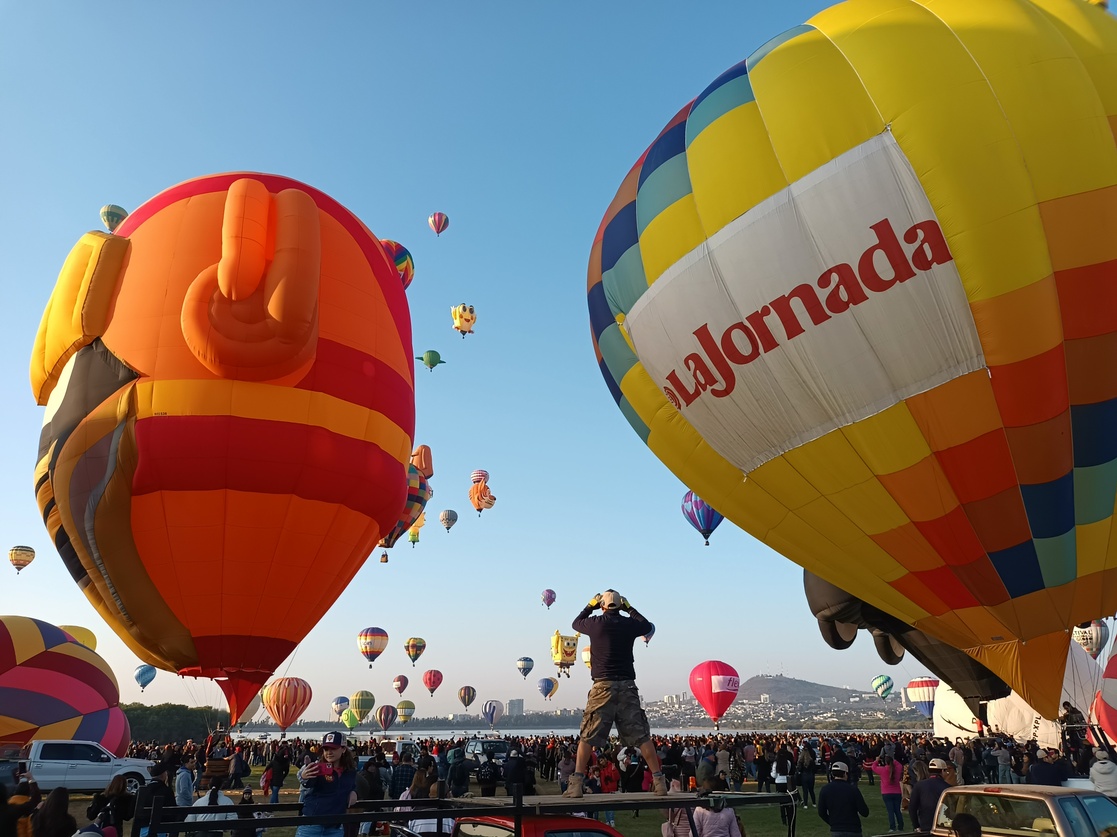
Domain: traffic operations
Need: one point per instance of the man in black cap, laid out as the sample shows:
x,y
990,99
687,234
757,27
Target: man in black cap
x,y
613,698
840,803
925,795
157,788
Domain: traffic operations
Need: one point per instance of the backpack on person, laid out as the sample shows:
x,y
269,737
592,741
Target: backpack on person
x,y
486,773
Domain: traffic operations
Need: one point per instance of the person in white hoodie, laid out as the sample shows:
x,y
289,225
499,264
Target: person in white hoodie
x,y
1104,774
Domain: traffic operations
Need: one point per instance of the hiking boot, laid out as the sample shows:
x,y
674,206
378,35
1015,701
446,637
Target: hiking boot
x,y
574,786
659,785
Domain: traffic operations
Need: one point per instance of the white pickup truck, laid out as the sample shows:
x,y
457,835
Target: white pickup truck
x,y
80,766
1028,811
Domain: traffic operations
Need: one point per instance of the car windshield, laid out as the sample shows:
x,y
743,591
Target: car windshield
x,y
998,813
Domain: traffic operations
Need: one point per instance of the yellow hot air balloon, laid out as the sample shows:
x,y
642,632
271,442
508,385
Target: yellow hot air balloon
x,y
361,703
857,296
20,557
82,635
406,709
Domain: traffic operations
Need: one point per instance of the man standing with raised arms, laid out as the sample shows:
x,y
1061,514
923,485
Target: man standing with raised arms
x,y
613,698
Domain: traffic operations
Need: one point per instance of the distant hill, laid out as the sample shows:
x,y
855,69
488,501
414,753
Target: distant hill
x,y
782,689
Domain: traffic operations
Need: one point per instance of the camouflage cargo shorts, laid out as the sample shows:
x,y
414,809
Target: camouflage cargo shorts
x,y
614,702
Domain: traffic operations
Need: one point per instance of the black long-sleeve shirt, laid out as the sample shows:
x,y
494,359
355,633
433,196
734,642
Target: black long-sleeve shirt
x,y
611,637
840,804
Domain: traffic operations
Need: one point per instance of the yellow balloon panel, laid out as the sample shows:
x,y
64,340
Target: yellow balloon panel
x,y
892,353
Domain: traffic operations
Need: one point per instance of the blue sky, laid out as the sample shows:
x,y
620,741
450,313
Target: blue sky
x,y
518,120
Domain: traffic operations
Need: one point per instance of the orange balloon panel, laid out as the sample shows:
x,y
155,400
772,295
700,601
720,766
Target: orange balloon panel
x,y
230,412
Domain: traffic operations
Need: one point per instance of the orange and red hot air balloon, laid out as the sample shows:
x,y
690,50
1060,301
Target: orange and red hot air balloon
x,y
286,699
222,404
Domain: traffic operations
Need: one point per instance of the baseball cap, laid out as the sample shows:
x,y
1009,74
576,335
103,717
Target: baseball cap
x,y
938,764
610,600
333,739
1100,754
839,767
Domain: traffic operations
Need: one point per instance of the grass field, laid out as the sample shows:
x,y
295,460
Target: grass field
x,y
758,821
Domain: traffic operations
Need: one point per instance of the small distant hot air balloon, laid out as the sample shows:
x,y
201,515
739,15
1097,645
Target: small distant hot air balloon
x,y
921,694
548,597
430,359
386,716
492,711
564,651
548,686
144,675
700,515
362,703
349,719
480,497
432,679
399,254
371,642
339,705
882,685
448,517
415,646
1092,636
438,222
21,556
525,665
714,685
400,683
648,636
285,699
82,635
112,215
479,475
467,694
586,657
405,709
464,317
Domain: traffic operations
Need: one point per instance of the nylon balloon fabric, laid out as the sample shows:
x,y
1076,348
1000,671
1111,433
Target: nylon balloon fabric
x,y
52,686
229,394
857,295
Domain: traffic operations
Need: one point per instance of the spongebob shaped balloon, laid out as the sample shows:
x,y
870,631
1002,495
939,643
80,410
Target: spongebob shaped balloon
x,y
564,652
464,317
220,405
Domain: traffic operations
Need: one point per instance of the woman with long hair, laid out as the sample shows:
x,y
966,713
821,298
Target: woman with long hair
x,y
112,807
330,784
806,767
53,818
891,791
210,825
783,770
916,771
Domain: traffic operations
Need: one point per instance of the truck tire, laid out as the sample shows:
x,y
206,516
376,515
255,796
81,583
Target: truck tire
x,y
133,782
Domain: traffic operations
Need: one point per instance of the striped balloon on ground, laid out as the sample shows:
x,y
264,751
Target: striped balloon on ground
x,y
921,695
52,686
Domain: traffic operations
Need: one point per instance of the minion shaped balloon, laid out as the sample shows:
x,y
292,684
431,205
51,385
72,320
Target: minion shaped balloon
x,y
564,652
229,394
464,317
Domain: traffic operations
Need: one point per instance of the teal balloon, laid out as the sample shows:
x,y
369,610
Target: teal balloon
x,y
882,685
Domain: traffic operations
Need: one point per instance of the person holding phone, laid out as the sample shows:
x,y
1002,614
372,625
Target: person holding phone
x,y
330,785
20,805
